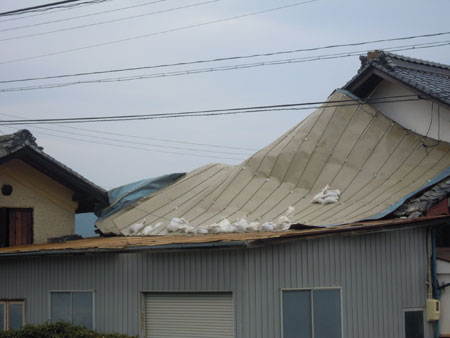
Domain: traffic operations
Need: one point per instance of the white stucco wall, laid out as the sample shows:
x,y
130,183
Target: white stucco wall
x,y
413,115
443,276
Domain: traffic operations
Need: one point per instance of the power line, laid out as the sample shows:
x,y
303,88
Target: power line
x,y
133,147
108,21
81,16
160,139
216,69
145,144
229,58
49,12
144,137
21,10
48,6
218,112
159,32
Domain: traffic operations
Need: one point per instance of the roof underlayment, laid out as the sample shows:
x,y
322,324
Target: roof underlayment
x,y
372,160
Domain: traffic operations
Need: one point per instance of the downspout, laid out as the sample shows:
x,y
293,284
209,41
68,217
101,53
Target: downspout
x,y
436,289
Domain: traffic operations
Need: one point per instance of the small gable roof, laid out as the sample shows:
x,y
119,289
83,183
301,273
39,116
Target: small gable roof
x,y
22,145
422,77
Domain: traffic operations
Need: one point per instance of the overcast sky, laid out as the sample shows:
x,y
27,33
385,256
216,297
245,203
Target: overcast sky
x,y
314,24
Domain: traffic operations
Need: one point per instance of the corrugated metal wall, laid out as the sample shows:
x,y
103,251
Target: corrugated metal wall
x,y
380,275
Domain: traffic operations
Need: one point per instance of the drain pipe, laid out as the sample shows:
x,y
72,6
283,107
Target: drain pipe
x,y
436,289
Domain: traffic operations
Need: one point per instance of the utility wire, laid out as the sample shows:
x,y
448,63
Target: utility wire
x,y
229,58
82,16
48,12
159,139
151,145
109,21
159,32
48,6
218,112
214,69
133,147
144,137
22,10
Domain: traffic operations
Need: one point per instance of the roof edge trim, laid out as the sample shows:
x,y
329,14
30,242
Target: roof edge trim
x,y
443,175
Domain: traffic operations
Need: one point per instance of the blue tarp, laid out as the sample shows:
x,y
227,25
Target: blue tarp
x,y
125,195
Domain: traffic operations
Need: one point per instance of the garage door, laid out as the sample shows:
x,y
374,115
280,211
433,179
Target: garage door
x,y
176,315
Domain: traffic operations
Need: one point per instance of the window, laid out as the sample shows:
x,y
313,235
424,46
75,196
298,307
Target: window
x,y
414,323
74,306
16,226
12,314
312,313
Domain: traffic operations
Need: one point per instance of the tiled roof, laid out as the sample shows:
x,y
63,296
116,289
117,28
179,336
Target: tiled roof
x,y
12,142
23,140
427,77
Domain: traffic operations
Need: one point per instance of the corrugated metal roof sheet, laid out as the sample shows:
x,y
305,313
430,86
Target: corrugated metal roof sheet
x,y
351,147
129,243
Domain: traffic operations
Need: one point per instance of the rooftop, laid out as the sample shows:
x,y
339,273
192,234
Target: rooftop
x,y
424,77
374,162
122,244
22,145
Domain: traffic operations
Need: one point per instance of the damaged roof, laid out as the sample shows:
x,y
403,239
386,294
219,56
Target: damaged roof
x,y
422,77
375,163
22,145
123,244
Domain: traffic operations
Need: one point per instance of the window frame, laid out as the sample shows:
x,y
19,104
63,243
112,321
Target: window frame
x,y
6,303
71,292
311,290
414,309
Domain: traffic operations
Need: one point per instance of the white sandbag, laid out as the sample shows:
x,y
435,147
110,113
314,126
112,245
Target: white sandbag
x,y
330,199
213,228
327,196
241,225
283,223
226,226
268,226
289,211
135,228
177,224
146,231
253,227
189,229
223,226
201,230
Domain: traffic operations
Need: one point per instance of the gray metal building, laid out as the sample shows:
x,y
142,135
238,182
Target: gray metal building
x,y
378,276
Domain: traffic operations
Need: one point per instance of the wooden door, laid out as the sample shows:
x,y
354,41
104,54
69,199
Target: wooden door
x,y
4,227
20,226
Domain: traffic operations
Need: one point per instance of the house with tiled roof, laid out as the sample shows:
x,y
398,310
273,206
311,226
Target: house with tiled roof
x,y
333,230
39,195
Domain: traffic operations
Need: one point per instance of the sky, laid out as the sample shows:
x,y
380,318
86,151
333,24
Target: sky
x,y
96,151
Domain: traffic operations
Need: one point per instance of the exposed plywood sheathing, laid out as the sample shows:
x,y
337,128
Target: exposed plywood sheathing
x,y
351,147
124,243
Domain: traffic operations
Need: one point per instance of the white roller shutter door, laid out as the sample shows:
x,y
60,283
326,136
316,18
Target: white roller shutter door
x,y
178,315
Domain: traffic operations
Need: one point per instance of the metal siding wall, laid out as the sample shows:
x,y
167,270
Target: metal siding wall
x,y
380,275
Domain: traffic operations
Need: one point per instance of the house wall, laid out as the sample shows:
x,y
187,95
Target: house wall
x,y
443,276
380,275
413,115
53,208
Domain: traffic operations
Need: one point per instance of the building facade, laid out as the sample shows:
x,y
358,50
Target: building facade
x,y
373,283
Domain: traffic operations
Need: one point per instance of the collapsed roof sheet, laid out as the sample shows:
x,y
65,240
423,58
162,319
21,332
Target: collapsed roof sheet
x,y
372,160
